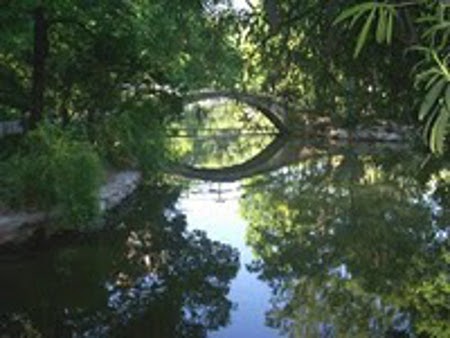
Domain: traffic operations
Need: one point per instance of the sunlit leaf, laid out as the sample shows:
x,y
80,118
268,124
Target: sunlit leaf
x,y
445,71
426,18
390,27
353,11
362,38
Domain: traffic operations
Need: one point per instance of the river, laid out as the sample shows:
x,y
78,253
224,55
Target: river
x,y
343,243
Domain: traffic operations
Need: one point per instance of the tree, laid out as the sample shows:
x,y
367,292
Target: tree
x,y
304,58
429,31
96,50
108,75
303,51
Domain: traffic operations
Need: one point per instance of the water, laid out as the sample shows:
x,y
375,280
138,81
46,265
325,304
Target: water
x,y
219,216
344,242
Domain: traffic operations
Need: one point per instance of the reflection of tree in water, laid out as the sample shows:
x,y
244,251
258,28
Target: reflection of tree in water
x,y
350,247
223,133
156,280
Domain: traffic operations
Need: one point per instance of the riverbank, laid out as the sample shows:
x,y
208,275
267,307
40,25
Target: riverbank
x,y
17,227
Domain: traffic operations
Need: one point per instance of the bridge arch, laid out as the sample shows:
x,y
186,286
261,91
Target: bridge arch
x,y
268,106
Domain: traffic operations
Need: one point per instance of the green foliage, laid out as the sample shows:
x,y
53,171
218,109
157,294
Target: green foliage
x,y
434,30
433,75
220,134
134,139
56,172
95,48
435,107
109,68
308,60
348,60
384,30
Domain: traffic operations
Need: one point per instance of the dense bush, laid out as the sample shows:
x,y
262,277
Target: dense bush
x,y
53,171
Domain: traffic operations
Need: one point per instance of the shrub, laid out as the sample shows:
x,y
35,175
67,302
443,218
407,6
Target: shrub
x,y
53,171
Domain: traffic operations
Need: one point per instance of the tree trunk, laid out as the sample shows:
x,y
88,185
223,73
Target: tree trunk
x,y
39,56
273,15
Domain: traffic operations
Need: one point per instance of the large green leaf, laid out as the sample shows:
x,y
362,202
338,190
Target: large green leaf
x,y
382,25
390,27
427,130
362,38
440,130
354,11
431,98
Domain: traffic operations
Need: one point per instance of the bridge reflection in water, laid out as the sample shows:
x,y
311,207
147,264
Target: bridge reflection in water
x,y
281,152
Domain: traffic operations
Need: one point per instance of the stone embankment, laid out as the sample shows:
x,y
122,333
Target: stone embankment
x,y
14,127
379,131
373,134
19,226
119,186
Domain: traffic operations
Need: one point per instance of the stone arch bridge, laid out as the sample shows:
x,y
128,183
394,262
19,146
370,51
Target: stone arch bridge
x,y
271,107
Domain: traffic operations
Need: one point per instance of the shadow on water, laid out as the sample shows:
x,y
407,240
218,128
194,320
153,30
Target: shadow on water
x,y
147,276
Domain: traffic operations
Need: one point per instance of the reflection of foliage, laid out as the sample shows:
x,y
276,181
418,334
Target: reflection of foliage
x,y
153,277
429,292
314,308
219,132
20,326
342,241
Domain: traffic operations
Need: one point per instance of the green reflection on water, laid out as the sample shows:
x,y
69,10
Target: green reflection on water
x,y
353,241
149,278
354,245
217,133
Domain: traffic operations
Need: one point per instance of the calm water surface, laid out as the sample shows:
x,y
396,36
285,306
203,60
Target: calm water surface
x,y
340,243
214,208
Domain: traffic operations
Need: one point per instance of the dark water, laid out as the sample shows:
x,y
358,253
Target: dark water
x,y
343,243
